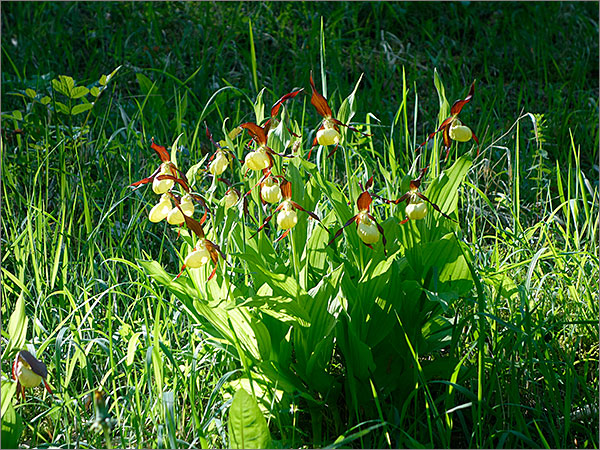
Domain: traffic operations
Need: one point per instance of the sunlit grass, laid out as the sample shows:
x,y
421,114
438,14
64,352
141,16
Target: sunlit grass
x,y
524,346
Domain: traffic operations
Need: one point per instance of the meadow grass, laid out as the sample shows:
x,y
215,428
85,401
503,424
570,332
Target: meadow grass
x,y
524,341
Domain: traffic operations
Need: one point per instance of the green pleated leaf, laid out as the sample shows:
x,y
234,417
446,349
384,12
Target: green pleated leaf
x,y
132,346
17,325
61,107
8,391
347,109
79,92
444,190
247,425
81,108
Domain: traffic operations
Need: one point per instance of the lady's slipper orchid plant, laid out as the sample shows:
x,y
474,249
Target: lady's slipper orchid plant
x,y
270,190
163,178
203,251
287,217
453,128
329,132
273,121
175,216
162,209
262,158
29,372
367,227
232,196
416,208
220,160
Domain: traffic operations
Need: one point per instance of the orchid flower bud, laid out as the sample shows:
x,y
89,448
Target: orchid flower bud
x,y
257,160
460,132
29,372
416,211
27,377
162,186
219,164
367,230
175,216
270,191
230,199
197,258
328,136
287,217
161,209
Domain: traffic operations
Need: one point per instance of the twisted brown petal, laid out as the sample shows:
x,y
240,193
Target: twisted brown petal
x,y
319,102
458,104
163,154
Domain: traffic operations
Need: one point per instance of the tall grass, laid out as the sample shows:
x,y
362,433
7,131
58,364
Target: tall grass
x,y
524,342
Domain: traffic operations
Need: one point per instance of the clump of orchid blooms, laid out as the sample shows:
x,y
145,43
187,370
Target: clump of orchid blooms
x,y
178,208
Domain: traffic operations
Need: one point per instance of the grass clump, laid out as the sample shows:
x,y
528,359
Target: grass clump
x,y
481,333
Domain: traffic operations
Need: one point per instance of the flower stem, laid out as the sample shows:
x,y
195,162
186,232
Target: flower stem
x,y
295,261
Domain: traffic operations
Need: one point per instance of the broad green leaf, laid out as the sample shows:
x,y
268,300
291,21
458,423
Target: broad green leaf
x,y
444,190
132,346
102,80
174,150
282,308
45,100
61,107
81,108
261,385
259,107
8,391
30,93
234,326
12,427
247,426
446,257
144,82
17,115
444,105
347,109
17,325
63,84
79,92
278,138
356,352
192,171
281,284
112,74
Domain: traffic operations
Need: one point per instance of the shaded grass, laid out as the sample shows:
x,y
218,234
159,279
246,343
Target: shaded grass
x,y
68,221
523,54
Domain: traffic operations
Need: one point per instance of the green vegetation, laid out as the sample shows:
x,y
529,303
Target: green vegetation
x,y
479,329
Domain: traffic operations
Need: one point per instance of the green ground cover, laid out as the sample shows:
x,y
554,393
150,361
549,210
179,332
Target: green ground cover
x,y
478,330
